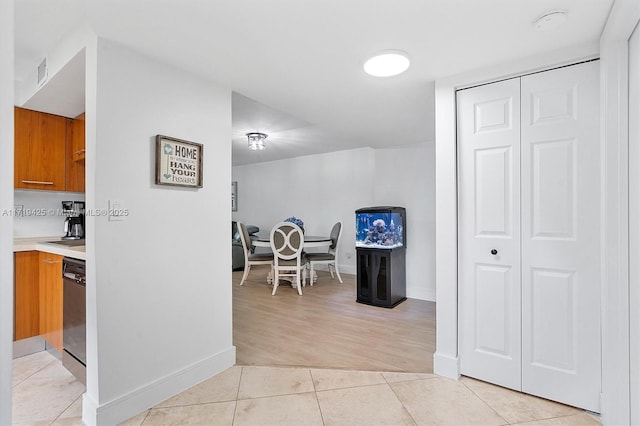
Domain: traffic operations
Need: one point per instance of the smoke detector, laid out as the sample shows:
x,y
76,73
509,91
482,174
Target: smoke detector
x,y
550,20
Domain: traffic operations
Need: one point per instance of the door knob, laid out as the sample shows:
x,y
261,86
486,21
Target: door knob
x,y
494,252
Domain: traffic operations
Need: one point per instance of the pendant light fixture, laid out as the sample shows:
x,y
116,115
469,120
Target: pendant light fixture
x,y
256,140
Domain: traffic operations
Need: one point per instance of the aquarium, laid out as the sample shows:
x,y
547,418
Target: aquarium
x,y
380,227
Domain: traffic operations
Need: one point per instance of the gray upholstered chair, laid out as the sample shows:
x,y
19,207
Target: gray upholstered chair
x,y
287,242
330,258
250,258
237,250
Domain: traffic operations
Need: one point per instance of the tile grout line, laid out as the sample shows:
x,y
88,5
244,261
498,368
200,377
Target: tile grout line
x,y
65,409
193,404
32,374
506,422
565,416
235,408
399,399
526,394
29,377
146,416
315,392
234,400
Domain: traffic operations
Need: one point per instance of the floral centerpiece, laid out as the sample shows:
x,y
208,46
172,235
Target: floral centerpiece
x,y
295,220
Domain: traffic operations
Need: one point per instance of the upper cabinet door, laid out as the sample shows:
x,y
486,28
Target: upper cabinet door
x,y
75,181
39,158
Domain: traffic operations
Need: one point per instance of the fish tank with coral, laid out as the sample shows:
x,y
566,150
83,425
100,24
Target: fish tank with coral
x,y
381,227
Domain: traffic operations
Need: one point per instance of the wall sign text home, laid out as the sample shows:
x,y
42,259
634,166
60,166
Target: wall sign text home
x,y
178,162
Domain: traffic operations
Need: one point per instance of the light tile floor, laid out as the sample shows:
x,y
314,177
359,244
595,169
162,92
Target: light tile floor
x,y
45,393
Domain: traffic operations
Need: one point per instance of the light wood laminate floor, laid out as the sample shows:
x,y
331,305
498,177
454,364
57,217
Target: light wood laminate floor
x,y
326,328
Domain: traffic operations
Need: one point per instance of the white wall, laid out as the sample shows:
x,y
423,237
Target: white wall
x,y
321,189
617,339
6,204
59,55
634,224
405,176
41,212
158,283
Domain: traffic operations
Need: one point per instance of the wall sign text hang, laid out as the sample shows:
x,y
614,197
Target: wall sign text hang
x,y
178,162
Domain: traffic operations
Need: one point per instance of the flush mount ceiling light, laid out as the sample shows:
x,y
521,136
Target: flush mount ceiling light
x,y
550,20
387,63
256,140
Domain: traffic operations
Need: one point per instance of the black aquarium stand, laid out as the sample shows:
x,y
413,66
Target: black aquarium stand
x,y
381,276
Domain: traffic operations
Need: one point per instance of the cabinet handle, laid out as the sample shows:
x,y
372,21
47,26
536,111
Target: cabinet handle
x,y
37,182
49,261
80,151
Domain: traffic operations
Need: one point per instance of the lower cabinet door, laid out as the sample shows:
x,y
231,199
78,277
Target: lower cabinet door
x,y
50,273
26,295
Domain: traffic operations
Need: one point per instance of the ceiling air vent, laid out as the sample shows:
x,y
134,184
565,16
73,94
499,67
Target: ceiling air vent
x,y
42,72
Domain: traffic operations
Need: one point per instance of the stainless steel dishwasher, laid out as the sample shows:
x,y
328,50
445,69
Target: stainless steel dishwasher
x,y
74,330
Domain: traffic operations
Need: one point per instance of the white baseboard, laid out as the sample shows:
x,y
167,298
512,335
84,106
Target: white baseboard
x,y
347,269
421,293
344,269
446,366
90,410
131,404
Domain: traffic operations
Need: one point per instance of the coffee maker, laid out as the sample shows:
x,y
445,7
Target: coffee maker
x,y
74,220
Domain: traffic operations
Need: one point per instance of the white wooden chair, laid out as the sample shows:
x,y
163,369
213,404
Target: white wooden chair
x,y
330,258
250,258
287,241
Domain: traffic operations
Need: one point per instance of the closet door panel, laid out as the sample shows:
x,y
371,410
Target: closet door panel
x,y
553,189
489,232
561,235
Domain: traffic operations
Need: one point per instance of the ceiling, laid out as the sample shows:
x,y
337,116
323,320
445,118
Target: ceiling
x,y
295,66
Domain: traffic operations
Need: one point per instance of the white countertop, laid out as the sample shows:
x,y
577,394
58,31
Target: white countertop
x,y
41,244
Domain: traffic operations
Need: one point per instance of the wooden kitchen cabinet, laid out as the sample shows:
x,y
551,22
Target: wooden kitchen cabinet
x,y
74,158
50,292
39,156
26,295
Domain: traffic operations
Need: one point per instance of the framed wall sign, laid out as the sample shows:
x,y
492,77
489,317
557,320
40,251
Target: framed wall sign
x,y
234,196
178,162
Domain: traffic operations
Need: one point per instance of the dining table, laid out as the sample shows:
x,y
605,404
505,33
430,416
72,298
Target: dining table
x,y
310,241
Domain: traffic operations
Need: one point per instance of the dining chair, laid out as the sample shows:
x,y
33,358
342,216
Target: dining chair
x,y
250,258
330,258
287,241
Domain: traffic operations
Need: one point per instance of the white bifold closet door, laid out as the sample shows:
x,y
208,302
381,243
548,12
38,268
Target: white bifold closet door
x,y
529,234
